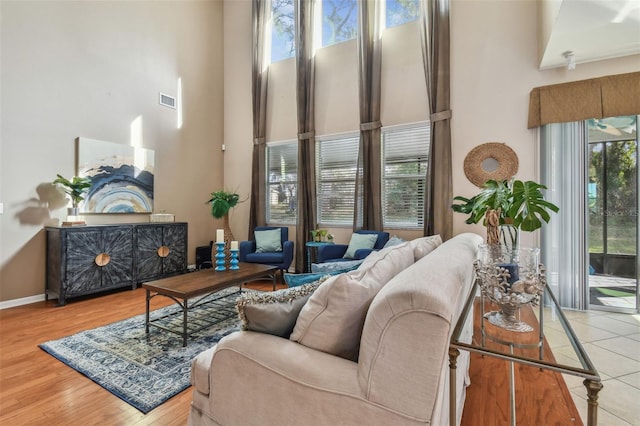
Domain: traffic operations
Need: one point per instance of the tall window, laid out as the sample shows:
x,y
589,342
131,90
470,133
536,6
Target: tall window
x,y
282,182
401,11
406,151
339,21
282,30
336,164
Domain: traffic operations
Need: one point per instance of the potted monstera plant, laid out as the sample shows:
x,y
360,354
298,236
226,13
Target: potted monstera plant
x,y
506,207
76,188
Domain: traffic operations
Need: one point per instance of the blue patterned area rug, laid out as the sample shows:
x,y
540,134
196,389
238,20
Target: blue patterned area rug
x,y
146,371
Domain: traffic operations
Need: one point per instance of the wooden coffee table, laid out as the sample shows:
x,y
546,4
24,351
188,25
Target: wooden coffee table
x,y
182,288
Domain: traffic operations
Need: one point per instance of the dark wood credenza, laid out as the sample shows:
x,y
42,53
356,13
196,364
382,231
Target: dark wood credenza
x,y
85,260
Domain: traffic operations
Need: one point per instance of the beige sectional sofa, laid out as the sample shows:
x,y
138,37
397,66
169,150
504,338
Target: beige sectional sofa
x,y
401,305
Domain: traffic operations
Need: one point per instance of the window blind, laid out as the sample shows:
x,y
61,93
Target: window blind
x,y
406,152
282,182
336,165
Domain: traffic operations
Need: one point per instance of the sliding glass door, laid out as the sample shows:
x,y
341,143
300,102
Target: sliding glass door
x,y
612,202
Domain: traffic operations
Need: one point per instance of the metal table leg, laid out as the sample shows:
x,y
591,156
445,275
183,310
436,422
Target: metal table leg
x,y
184,322
146,322
593,387
453,403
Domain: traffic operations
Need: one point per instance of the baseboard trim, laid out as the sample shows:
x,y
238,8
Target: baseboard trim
x,y
22,301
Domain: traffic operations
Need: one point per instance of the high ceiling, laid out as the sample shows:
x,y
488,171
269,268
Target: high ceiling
x,y
592,30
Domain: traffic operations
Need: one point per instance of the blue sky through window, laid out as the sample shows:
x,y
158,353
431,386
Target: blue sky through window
x,y
282,31
339,22
401,11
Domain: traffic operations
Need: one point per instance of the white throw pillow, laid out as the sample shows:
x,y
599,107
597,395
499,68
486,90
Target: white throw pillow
x,y
332,319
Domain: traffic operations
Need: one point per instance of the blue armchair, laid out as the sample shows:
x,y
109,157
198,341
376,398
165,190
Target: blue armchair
x,y
335,252
281,259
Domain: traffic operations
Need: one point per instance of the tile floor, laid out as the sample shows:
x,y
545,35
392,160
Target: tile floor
x,y
612,341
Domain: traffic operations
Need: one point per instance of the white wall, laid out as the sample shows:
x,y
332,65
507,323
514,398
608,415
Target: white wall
x,y
90,69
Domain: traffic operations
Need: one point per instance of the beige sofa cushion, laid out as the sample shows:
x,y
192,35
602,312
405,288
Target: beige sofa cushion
x,y
331,321
425,245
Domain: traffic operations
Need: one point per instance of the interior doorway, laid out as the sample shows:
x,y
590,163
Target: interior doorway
x,y
612,192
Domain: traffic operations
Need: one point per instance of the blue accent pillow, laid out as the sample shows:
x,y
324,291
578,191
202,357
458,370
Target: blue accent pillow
x,y
336,267
360,241
268,240
294,280
394,241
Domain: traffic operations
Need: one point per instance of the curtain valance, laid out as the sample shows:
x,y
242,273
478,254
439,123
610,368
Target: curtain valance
x,y
608,96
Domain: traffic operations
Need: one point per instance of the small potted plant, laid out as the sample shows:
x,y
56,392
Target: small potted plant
x,y
515,205
221,203
76,187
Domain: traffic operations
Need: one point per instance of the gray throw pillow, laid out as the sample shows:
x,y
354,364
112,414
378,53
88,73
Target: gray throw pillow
x,y
268,240
274,312
360,241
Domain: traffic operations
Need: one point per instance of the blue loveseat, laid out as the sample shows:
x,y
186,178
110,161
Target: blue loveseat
x,y
335,252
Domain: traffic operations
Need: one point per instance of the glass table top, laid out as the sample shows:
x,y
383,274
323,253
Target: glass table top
x,y
552,344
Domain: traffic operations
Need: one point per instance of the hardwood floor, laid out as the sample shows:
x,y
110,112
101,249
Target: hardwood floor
x,y
37,389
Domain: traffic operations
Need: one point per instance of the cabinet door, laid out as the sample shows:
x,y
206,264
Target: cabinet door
x,y
149,260
99,259
83,275
175,238
117,243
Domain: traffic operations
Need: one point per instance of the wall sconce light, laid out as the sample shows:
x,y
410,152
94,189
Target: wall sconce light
x,y
570,59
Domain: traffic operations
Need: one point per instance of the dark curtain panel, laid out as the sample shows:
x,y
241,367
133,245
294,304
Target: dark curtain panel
x,y
368,201
260,76
435,55
305,80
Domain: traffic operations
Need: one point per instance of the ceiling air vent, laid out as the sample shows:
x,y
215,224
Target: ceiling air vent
x,y
167,101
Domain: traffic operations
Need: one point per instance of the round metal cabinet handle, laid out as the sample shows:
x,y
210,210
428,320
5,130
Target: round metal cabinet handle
x,y
163,251
102,259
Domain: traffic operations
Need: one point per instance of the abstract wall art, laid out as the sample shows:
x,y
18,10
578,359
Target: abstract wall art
x,y
121,177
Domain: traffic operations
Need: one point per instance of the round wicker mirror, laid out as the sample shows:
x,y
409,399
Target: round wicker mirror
x,y
490,161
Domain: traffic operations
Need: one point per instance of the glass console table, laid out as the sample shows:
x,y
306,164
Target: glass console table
x,y
552,331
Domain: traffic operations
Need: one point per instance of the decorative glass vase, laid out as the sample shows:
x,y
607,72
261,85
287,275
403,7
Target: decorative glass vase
x,y
510,236
511,279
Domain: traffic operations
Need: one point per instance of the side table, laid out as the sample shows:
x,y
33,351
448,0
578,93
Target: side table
x,y
534,348
313,245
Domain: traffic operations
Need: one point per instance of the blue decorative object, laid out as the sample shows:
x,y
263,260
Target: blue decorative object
x,y
513,270
234,260
220,257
